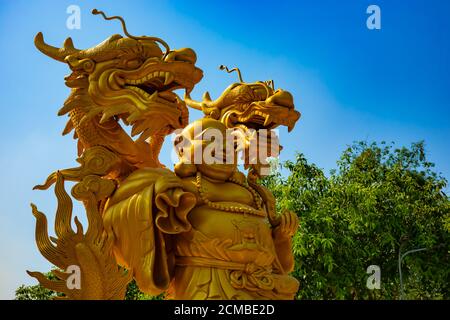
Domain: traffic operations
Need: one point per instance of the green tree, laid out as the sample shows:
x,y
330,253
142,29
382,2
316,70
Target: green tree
x,y
133,293
379,200
38,292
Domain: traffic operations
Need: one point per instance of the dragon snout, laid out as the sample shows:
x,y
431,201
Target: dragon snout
x,y
281,98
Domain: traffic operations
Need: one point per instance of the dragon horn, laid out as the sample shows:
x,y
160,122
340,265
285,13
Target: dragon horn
x,y
208,107
206,96
68,44
56,53
192,103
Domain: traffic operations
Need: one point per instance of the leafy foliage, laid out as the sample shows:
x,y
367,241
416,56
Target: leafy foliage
x,y
38,292
379,200
133,293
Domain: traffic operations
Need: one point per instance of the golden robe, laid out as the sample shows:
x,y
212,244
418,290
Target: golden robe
x,y
173,242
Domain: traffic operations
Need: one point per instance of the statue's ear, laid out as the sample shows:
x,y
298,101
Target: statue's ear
x,y
76,64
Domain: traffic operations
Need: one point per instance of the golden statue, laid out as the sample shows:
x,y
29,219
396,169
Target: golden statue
x,y
203,231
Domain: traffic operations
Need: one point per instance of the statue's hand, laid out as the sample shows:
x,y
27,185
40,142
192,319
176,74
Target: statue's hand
x,y
269,141
266,140
167,182
287,227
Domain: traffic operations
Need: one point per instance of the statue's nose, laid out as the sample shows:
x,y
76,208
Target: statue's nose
x,y
281,98
184,55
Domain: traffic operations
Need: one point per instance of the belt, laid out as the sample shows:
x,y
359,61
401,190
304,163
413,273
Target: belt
x,y
242,275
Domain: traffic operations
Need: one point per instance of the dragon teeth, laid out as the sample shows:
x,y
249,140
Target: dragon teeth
x,y
153,96
290,127
168,78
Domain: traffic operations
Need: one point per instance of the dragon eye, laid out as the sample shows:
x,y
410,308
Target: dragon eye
x,y
133,63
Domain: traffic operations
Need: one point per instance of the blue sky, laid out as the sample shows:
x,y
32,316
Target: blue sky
x,y
350,83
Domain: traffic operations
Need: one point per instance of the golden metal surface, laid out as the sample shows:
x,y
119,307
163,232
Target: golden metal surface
x,y
203,231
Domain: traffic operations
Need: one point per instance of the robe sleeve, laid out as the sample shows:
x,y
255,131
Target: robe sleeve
x,y
148,208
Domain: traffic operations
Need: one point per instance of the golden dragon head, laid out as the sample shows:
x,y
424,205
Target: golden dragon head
x,y
253,105
129,78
